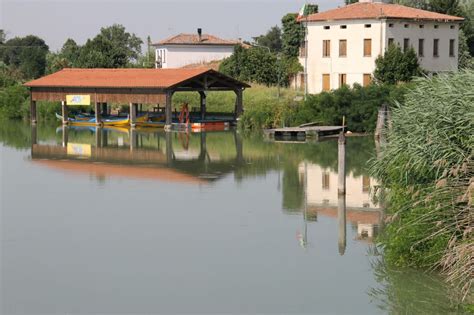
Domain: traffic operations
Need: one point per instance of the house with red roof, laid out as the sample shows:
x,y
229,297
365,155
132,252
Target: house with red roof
x,y
341,45
186,49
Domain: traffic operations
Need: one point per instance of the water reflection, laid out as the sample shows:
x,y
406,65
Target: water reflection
x,y
287,187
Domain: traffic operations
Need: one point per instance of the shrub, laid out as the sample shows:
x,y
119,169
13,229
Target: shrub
x,y
13,103
427,168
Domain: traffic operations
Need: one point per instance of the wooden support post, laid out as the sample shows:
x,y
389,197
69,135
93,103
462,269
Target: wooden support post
x,y
98,117
203,104
381,121
203,149
168,110
341,159
64,112
104,109
98,137
133,139
34,134
169,148
133,115
341,220
238,148
65,130
239,108
33,114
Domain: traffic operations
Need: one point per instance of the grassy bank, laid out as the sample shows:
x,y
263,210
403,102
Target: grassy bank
x,y
427,168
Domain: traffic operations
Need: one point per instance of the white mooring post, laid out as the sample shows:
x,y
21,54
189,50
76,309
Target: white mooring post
x,y
341,159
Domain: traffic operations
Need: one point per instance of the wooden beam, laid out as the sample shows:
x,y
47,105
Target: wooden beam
x,y
203,104
98,117
169,110
33,113
64,110
239,107
133,114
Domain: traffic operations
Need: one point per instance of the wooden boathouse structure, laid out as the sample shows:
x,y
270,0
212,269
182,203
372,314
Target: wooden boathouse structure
x,y
131,86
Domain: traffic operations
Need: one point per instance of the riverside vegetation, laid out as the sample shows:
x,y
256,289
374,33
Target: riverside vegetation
x,y
427,170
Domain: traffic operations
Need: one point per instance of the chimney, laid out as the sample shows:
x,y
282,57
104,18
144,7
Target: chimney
x,y
200,34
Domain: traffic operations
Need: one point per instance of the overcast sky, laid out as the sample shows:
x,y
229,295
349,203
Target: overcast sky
x,y
57,20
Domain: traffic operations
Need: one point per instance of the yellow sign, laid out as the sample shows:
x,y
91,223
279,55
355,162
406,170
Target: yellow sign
x,y
78,99
79,149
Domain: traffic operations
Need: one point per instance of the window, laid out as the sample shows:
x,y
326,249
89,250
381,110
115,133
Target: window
x,y
406,44
342,79
390,25
303,49
325,180
367,47
326,82
368,25
421,47
436,26
326,48
327,27
422,26
391,41
451,47
367,79
342,48
343,26
436,47
406,26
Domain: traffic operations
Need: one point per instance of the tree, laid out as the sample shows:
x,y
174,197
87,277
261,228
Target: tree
x,y
397,66
351,1
292,36
2,36
26,54
70,51
126,47
272,39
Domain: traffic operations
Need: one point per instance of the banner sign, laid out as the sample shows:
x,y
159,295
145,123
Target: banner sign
x,y
78,100
79,149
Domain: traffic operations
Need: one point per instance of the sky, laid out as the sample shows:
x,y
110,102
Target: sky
x,y
56,20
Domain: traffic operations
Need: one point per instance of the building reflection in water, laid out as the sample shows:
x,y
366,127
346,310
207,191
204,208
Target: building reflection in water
x,y
307,187
357,206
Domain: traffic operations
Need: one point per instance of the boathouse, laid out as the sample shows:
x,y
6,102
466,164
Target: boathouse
x,y
100,87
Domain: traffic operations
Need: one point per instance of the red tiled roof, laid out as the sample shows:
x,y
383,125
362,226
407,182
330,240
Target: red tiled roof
x,y
193,39
117,78
367,10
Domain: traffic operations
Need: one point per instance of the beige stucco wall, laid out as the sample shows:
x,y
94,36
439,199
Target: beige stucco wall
x,y
317,194
355,65
178,56
444,33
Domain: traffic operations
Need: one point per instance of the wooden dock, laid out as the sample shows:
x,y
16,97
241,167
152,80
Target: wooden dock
x,y
303,133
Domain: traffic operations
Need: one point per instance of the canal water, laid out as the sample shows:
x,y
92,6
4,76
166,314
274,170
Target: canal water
x,y
119,221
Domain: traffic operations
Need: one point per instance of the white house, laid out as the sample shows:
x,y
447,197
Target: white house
x,y
342,44
185,49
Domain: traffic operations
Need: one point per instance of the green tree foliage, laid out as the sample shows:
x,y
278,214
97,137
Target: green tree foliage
x,y
310,8
272,39
2,36
292,35
13,101
350,1
257,65
27,54
396,66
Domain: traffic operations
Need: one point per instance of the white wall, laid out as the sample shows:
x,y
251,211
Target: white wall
x,y
444,33
177,56
355,65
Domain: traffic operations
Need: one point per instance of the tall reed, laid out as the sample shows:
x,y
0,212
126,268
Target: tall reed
x,y
427,168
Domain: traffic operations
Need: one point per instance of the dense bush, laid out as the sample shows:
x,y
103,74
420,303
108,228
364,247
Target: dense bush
x,y
13,102
359,105
427,168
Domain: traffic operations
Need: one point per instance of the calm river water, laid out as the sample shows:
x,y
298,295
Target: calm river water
x,y
113,221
